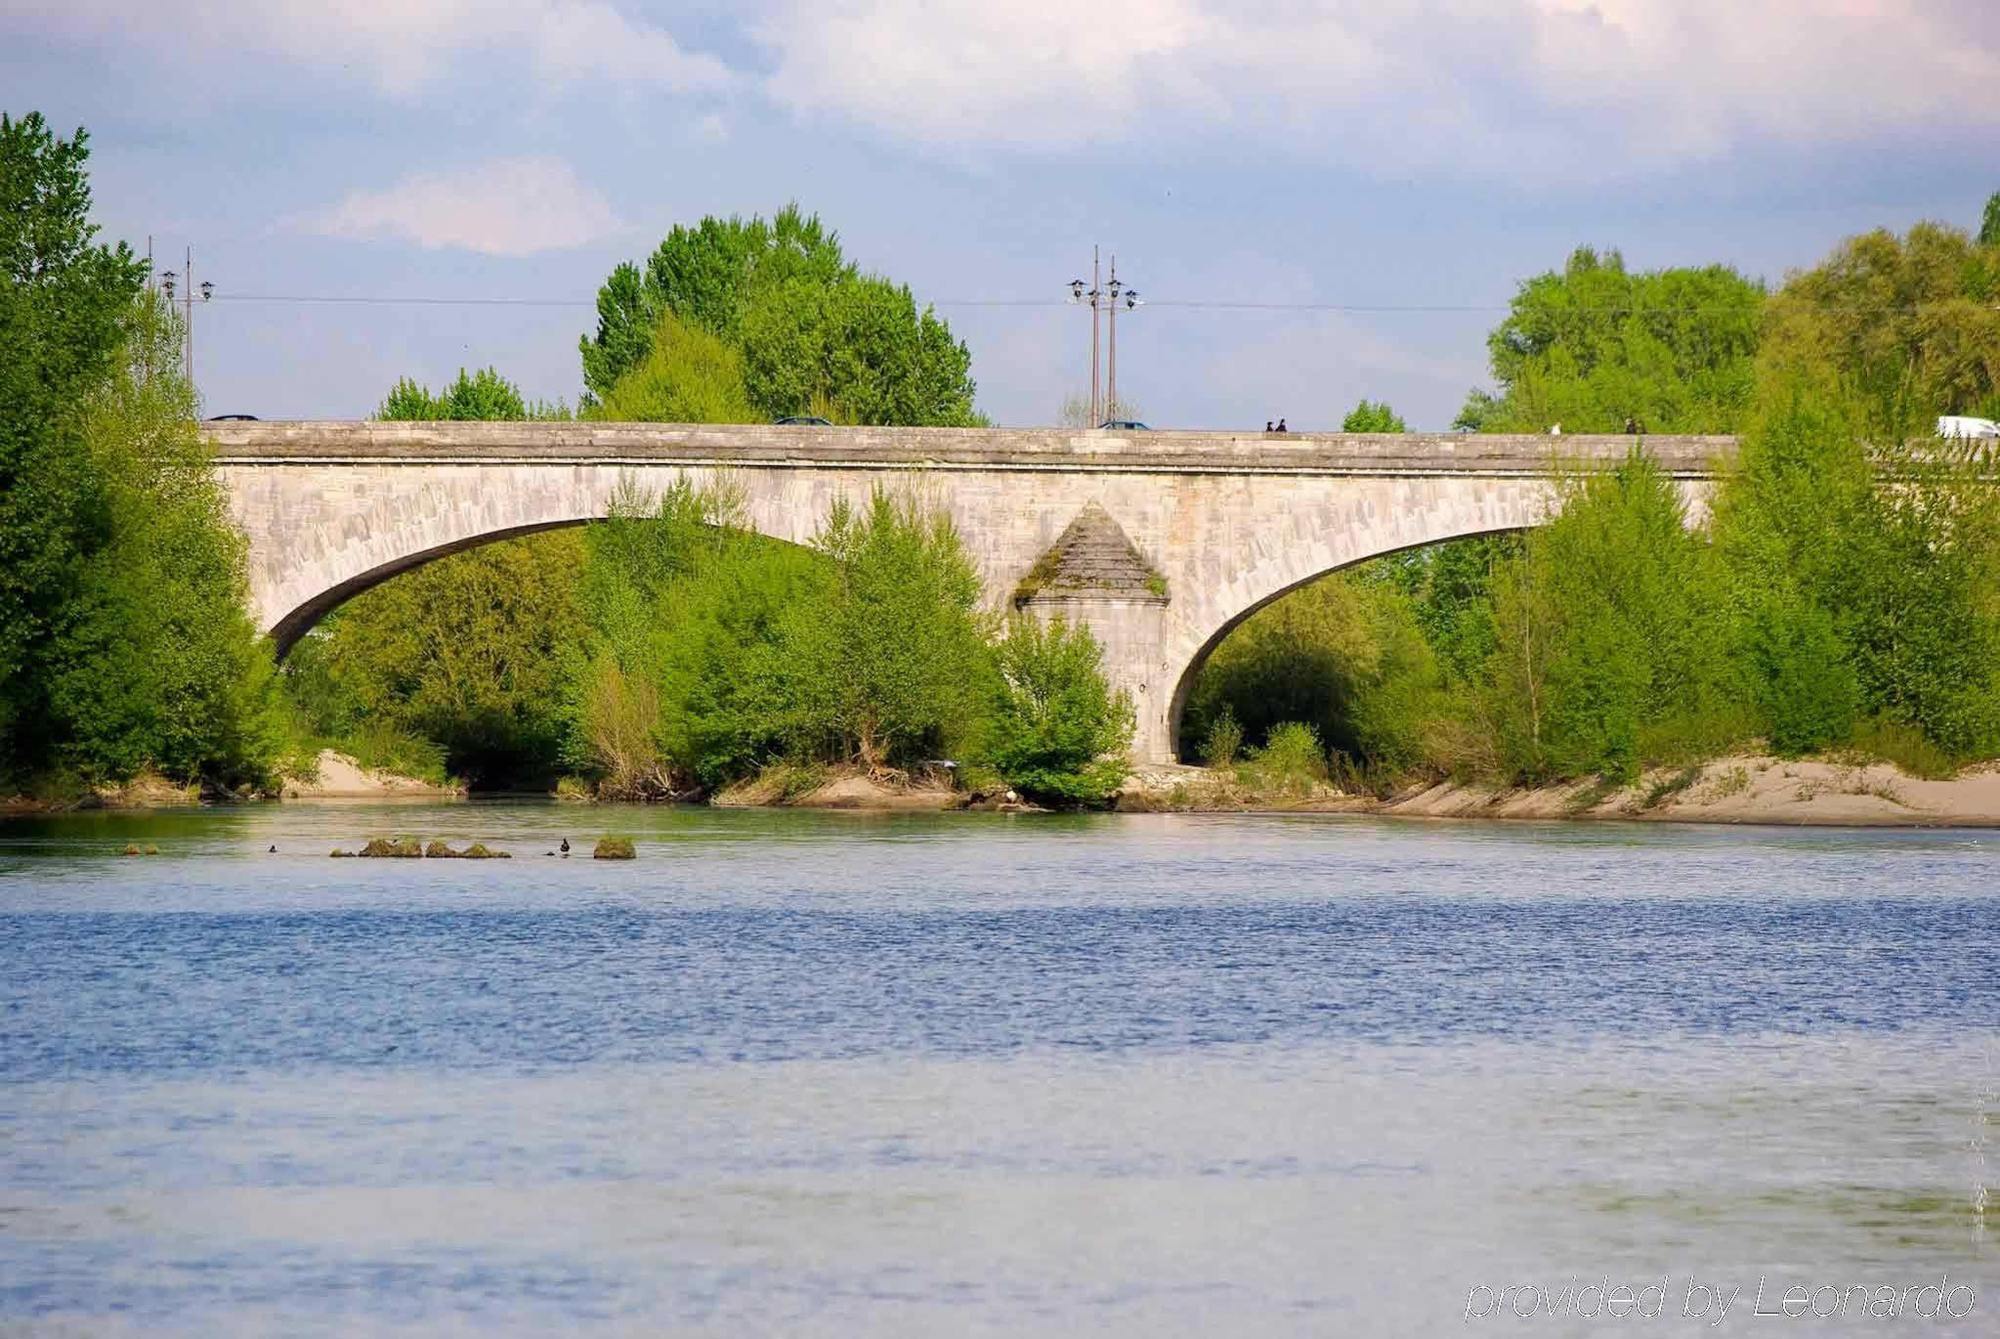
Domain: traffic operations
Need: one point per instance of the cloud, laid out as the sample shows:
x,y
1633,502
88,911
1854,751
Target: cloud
x,y
506,207
1499,85
400,46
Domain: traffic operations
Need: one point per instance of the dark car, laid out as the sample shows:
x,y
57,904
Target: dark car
x,y
804,421
232,418
1124,425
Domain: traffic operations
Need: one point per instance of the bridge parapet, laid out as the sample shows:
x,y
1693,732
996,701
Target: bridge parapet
x,y
983,449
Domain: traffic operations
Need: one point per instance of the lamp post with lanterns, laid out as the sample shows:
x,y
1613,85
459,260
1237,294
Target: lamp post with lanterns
x,y
185,282
1103,297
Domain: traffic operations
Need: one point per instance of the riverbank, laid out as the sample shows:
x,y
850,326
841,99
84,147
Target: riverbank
x,y
1749,788
336,776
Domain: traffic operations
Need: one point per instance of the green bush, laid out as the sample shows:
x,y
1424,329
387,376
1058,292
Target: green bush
x,y
1223,739
1057,731
614,848
1291,762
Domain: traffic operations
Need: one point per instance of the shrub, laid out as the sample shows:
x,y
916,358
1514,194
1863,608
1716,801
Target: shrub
x,y
1057,731
1291,762
1224,739
614,848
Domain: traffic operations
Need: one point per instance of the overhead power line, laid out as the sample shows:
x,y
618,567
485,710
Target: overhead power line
x,y
1192,304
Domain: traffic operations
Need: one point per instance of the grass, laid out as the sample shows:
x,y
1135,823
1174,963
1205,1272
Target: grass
x,y
1903,745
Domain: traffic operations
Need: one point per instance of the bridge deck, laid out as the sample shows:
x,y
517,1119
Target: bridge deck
x,y
987,449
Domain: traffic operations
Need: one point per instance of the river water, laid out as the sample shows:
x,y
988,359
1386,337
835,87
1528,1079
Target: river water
x,y
836,1074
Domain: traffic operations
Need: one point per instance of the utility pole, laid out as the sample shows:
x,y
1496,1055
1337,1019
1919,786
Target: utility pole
x,y
185,280
1093,298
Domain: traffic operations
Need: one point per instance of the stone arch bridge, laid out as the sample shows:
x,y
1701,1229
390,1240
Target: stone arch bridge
x,y
1162,541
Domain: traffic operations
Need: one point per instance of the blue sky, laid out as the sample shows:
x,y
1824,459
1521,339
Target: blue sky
x,y
1401,154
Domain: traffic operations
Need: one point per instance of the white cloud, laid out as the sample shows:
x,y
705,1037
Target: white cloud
x,y
400,46
507,207
1509,84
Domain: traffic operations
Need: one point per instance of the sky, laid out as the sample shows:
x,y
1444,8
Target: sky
x,y
1318,202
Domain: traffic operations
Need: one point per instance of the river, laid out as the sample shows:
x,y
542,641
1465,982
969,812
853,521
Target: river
x,y
839,1074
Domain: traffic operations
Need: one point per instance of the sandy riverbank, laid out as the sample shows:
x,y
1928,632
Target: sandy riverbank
x,y
341,778
1742,789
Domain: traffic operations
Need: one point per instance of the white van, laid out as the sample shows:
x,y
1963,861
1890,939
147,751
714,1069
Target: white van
x,y
1958,425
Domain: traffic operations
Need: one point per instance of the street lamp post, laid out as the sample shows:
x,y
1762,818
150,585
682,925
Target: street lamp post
x,y
1130,297
1100,297
185,280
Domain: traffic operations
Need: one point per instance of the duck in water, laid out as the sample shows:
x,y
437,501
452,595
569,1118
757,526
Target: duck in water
x,y
564,848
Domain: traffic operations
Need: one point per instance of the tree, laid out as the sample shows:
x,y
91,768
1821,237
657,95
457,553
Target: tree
x,y
456,665
1597,348
1989,225
811,329
1057,731
890,665
688,375
124,639
1368,416
1905,328
1611,635
473,396
64,308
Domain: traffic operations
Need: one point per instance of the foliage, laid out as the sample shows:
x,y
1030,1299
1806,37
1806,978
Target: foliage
x,y
480,395
812,331
1344,655
674,686
1291,762
124,642
1369,416
1223,739
157,662
688,375
1904,328
455,666
890,665
463,652
1884,596
1611,640
1074,411
1989,223
1450,588
1599,349
1057,730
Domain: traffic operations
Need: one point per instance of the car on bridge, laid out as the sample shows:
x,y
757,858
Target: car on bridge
x,y
803,421
1961,425
1123,425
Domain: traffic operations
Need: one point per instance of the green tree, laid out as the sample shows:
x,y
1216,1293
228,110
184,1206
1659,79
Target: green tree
x,y
1597,348
1989,224
1856,598
1369,416
891,664
65,305
473,396
1905,328
1057,731
1611,635
811,329
124,641
1344,656
456,665
687,375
